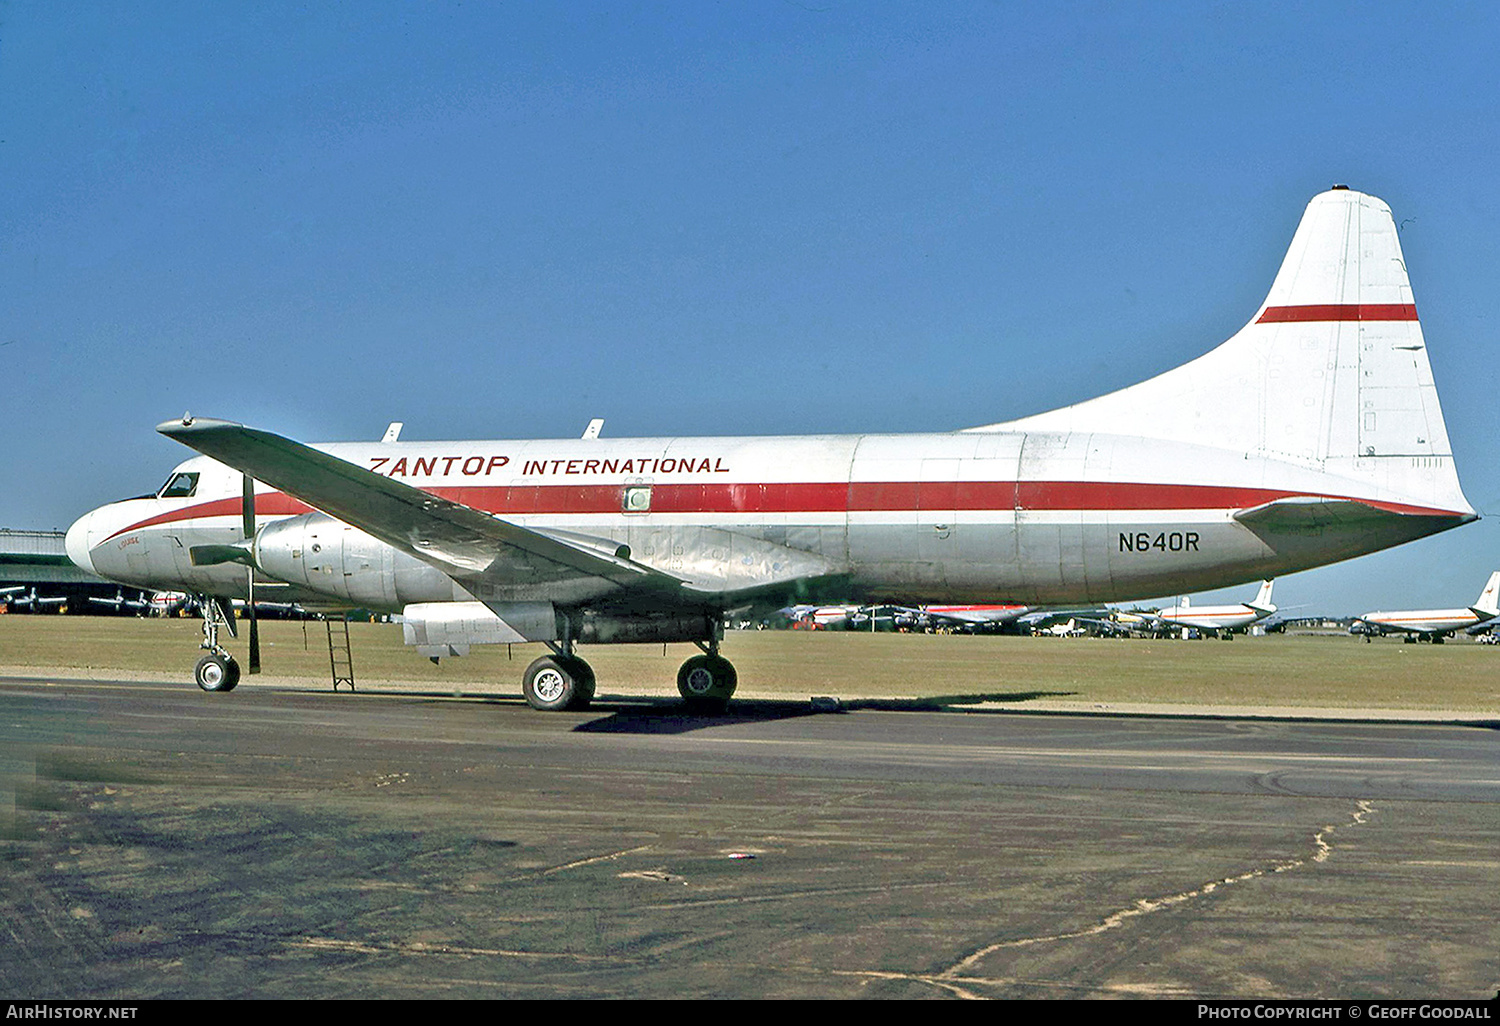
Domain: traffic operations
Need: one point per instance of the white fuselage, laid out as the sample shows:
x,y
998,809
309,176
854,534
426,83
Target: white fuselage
x,y
1021,517
1212,618
1424,621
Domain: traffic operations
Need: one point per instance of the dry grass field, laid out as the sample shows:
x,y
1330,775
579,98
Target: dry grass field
x,y
1279,671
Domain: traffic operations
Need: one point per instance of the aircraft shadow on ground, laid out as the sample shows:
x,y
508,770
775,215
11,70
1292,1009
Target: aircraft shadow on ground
x,y
672,716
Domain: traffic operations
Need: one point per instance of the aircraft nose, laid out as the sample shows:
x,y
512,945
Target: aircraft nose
x,y
77,542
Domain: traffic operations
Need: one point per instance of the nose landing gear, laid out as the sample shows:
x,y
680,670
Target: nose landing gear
x,y
218,670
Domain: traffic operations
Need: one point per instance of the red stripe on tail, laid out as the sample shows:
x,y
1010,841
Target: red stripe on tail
x,y
1339,312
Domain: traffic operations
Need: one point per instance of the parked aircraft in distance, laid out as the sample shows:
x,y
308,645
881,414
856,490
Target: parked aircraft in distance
x,y
972,617
1313,435
170,603
808,617
1485,632
32,601
120,603
1221,620
1433,624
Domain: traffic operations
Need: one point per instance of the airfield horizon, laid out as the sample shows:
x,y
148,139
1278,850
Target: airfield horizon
x,y
1291,674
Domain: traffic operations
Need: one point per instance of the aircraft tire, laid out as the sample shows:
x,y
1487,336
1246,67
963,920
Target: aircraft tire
x,y
707,681
583,674
554,683
216,673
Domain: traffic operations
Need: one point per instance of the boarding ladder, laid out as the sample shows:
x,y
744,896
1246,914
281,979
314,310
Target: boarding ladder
x,y
340,658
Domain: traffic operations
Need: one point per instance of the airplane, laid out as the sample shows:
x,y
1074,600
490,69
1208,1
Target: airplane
x,y
1433,625
32,601
1484,630
1313,435
814,618
120,603
968,617
1221,620
170,603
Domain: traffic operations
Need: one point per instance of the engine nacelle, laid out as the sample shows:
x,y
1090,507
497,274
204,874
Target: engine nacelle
x,y
448,628
440,629
665,627
332,558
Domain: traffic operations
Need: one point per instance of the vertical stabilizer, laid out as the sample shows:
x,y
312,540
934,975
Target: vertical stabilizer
x,y
1489,598
1263,597
1331,372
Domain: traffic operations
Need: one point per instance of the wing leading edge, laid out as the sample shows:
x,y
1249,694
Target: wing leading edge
x,y
468,544
477,548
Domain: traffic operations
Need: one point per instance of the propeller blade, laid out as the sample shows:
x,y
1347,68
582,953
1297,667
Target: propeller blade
x,y
254,661
247,507
213,555
247,514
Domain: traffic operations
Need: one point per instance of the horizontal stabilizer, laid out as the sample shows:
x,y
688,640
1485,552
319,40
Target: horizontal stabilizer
x,y
1313,514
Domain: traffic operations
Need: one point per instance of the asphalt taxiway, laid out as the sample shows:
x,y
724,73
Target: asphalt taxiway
x,y
288,842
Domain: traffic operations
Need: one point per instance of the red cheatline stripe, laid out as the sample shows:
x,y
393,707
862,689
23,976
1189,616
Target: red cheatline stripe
x,y
1339,312
275,504
814,497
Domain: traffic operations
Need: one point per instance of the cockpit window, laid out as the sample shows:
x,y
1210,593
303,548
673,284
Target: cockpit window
x,y
179,486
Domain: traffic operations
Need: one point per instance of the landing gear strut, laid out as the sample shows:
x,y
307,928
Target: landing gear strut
x,y
216,671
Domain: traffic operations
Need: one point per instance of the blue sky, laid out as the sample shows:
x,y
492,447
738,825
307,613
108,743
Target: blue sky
x,y
500,221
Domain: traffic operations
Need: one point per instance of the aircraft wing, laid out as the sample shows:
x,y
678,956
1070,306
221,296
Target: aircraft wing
x,y
465,543
476,547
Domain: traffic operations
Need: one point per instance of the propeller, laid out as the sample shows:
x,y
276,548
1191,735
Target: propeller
x,y
247,513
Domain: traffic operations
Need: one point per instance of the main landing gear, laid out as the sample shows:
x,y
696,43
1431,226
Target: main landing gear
x,y
559,681
563,681
707,681
216,671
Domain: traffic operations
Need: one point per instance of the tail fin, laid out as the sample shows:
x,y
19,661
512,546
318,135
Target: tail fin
x,y
1331,372
1263,597
1489,598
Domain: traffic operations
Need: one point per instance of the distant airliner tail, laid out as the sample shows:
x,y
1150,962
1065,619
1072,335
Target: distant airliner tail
x,y
1262,601
1489,599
